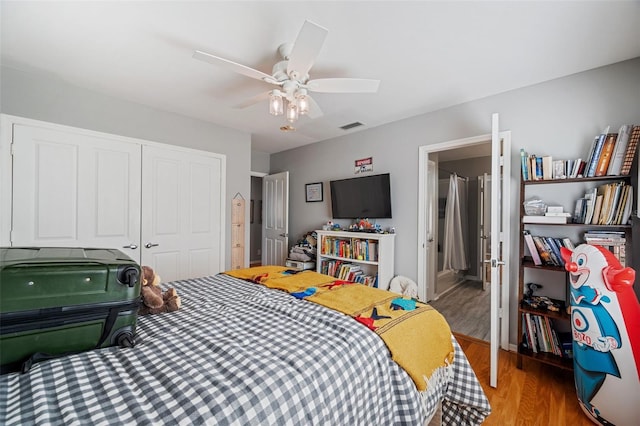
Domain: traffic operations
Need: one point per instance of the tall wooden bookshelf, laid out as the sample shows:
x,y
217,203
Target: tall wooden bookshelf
x,y
555,281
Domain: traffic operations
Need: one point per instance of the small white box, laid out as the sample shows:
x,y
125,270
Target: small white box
x,y
554,209
299,264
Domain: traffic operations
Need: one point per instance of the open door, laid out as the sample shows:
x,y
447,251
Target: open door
x,y
275,218
500,225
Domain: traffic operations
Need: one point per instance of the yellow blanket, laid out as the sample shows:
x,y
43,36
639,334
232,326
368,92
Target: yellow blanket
x,y
419,340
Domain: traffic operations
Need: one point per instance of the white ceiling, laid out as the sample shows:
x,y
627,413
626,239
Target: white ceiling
x,y
428,55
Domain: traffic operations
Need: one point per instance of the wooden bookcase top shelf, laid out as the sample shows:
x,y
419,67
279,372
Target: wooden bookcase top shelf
x,y
575,180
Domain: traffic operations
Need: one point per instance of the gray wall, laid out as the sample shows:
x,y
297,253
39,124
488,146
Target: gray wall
x,y
260,161
558,118
47,98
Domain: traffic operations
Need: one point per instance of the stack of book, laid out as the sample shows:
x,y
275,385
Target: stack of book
x,y
365,250
541,335
348,272
546,250
611,154
608,204
613,241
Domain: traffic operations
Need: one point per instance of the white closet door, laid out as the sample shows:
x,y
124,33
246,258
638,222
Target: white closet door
x,y
182,199
73,189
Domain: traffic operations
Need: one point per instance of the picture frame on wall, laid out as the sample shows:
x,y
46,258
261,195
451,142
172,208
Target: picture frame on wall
x,y
313,192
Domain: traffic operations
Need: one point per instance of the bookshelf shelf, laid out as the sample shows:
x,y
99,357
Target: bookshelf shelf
x,y
372,254
553,277
562,315
545,358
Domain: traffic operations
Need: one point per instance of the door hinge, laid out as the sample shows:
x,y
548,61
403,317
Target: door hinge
x,y
11,149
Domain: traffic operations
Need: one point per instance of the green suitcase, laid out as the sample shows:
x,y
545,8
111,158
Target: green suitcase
x,y
56,301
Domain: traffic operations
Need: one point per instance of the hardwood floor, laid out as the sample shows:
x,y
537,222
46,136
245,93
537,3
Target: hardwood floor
x,y
536,395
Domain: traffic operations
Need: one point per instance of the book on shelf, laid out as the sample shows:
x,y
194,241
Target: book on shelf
x,y
607,204
538,167
544,254
540,334
634,138
547,249
613,241
523,164
566,344
547,167
568,243
531,245
577,168
554,248
544,219
617,157
596,209
595,156
590,200
560,169
605,155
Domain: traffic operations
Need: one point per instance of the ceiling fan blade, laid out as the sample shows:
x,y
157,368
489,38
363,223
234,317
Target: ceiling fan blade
x,y
343,85
233,66
314,109
254,100
306,48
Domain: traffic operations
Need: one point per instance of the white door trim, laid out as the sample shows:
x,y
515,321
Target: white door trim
x,y
423,195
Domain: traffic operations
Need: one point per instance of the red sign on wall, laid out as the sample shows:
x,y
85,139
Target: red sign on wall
x,y
364,165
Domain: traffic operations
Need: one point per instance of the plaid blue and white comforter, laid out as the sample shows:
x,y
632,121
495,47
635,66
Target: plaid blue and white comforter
x,y
237,353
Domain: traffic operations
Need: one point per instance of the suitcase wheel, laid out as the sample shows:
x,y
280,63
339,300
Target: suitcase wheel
x,y
125,339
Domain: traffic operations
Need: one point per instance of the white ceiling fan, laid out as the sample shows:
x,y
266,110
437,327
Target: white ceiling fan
x,y
291,75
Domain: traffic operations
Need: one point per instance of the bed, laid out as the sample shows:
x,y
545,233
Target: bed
x,y
240,351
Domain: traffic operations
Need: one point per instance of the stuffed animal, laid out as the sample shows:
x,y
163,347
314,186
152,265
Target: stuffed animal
x,y
154,301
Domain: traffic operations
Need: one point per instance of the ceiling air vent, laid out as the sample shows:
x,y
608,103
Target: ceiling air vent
x,y
351,125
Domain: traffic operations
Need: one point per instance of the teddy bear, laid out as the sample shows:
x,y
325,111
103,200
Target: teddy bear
x,y
154,301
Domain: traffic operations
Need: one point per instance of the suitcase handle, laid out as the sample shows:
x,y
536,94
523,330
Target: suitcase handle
x,y
128,275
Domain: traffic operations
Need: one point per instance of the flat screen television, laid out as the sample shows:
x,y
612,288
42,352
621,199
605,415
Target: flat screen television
x,y
363,197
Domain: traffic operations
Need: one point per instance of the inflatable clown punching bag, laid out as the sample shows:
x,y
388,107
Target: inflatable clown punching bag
x,y
605,323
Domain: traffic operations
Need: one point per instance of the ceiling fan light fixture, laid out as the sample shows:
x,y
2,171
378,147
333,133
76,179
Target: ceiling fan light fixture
x,y
292,112
276,103
303,102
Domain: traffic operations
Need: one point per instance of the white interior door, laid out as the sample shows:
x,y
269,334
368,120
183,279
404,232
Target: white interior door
x,y
275,218
75,189
500,226
183,212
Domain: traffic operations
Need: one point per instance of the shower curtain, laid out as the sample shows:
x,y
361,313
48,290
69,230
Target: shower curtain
x,y
455,226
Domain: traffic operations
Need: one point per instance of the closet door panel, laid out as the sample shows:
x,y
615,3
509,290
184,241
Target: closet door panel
x,y
182,212
73,189
45,191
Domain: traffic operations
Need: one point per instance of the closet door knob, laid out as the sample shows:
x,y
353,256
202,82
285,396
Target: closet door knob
x,y
149,245
131,246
